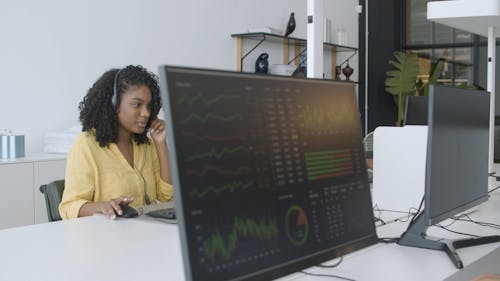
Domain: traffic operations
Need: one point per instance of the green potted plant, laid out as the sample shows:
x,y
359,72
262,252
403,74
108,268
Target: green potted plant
x,y
402,81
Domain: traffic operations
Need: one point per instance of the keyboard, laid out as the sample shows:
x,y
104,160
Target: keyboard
x,y
168,214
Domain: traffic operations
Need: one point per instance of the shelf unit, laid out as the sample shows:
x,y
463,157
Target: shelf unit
x,y
300,47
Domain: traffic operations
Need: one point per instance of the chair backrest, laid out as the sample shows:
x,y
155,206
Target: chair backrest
x,y
53,195
368,145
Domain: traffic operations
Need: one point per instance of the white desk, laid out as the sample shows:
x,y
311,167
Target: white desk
x,y
95,248
394,262
92,248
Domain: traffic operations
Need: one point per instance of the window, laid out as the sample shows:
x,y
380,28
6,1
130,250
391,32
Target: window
x,y
432,41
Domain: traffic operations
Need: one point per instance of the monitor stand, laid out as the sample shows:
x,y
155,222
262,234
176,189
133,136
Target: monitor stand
x,y
414,236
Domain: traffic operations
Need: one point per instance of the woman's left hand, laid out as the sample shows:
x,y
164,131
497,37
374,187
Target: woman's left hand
x,y
157,130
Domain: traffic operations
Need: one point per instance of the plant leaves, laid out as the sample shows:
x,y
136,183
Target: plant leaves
x,y
433,75
402,80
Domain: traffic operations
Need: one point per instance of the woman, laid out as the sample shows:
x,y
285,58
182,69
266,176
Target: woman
x,y
113,162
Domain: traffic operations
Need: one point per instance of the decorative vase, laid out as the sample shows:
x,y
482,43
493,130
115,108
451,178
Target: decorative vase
x,y
347,71
262,64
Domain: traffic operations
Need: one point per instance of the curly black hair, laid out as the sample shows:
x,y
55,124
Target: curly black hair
x,y
98,112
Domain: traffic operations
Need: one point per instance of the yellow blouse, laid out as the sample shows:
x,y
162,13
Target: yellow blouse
x,y
95,173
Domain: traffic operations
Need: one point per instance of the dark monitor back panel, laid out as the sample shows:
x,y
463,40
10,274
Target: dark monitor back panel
x,y
269,172
457,151
416,110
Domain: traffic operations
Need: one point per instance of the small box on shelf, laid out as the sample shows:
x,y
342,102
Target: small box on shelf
x,y
11,146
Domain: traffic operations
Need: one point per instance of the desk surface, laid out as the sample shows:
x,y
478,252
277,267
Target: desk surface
x,y
95,248
392,262
92,248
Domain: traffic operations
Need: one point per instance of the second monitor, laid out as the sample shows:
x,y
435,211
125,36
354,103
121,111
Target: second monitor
x,y
457,165
416,110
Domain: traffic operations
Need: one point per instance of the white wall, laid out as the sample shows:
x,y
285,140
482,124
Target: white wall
x,y
52,51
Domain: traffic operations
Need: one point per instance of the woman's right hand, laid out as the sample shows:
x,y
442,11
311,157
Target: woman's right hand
x,y
109,208
112,208
487,277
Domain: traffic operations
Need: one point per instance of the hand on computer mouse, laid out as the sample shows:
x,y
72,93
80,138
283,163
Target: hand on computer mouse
x,y
117,206
111,209
128,212
487,277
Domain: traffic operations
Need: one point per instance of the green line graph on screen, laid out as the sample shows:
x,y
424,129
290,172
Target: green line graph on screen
x,y
195,118
214,138
232,187
327,119
199,98
250,229
219,170
216,154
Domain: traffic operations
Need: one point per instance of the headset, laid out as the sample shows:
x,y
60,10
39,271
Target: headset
x,y
114,98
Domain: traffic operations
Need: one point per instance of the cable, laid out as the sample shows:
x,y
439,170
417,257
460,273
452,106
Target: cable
x,y
380,220
494,188
333,265
114,98
487,224
457,218
379,215
146,196
327,275
409,214
457,232
395,211
329,266
145,184
493,175
418,212
388,240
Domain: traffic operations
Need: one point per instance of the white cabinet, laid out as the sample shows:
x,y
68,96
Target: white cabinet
x,y
20,180
16,191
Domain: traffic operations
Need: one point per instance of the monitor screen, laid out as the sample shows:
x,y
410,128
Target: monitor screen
x,y
457,151
269,172
416,110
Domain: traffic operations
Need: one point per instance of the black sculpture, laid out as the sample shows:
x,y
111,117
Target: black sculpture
x,y
261,64
290,27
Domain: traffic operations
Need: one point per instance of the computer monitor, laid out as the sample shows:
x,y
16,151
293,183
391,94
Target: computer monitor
x,y
268,171
416,110
456,176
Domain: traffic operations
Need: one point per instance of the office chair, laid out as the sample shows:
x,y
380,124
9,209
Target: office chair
x,y
368,146
53,195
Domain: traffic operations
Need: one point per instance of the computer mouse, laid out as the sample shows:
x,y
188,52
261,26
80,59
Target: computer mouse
x,y
128,212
